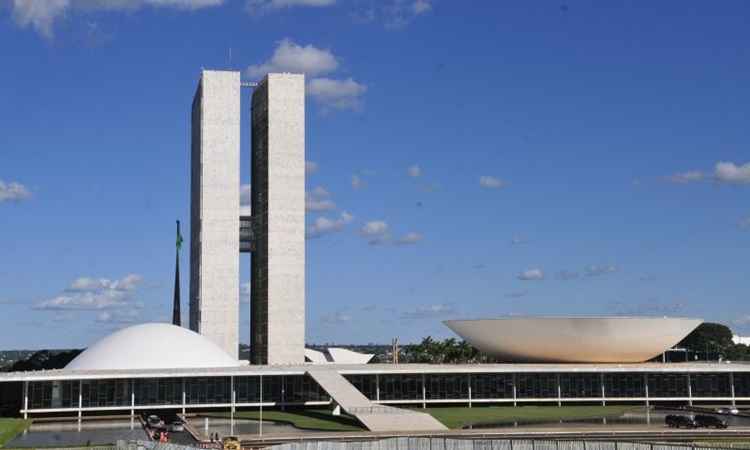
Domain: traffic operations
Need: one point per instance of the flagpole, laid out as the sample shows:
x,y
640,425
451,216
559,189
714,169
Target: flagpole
x,y
176,313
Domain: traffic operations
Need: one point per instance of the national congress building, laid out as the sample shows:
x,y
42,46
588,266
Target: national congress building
x,y
160,366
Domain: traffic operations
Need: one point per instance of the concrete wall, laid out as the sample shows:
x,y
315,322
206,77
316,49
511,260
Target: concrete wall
x,y
278,204
215,200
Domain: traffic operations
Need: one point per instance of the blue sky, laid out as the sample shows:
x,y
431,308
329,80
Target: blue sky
x,y
500,158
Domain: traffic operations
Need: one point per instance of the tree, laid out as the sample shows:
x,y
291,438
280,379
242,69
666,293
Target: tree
x,y
709,337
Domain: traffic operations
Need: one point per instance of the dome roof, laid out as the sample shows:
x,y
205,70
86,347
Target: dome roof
x,y
152,346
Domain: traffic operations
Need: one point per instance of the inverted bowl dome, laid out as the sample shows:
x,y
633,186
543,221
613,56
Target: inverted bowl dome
x,y
152,346
574,339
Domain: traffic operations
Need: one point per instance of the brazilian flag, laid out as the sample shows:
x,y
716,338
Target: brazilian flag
x,y
179,237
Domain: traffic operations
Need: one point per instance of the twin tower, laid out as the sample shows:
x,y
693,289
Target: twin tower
x,y
275,232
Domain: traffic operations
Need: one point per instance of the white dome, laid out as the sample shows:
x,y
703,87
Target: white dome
x,y
152,346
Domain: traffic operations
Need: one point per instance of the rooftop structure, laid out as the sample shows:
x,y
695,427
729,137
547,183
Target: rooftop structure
x,y
152,346
574,339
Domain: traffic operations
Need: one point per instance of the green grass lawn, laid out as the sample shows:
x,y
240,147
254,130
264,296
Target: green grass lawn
x,y
9,428
462,416
308,419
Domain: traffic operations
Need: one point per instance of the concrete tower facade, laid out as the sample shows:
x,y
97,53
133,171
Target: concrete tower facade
x,y
215,209
278,206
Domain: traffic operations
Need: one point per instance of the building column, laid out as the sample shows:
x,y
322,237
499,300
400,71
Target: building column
x,y
283,393
559,391
690,390
604,395
25,399
80,403
377,387
184,396
645,387
132,404
469,380
731,388
260,422
424,393
515,392
233,402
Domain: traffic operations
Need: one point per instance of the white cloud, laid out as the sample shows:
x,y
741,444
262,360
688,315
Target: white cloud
x,y
490,182
324,225
429,312
122,316
567,275
290,57
257,6
357,182
337,318
531,275
318,200
13,191
87,293
337,94
517,294
690,176
394,14
414,171
598,270
729,172
86,284
374,228
421,6
246,200
409,238
42,14
310,167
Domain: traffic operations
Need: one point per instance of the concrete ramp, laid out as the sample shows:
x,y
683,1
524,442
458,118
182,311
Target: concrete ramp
x,y
373,416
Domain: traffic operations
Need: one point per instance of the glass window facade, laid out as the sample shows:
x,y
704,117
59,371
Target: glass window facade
x,y
247,389
742,384
537,385
302,388
366,384
105,393
492,386
53,394
208,390
710,385
400,387
447,386
623,385
667,385
158,391
299,389
580,385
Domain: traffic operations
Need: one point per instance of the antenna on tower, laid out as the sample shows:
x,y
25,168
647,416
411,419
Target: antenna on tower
x,y
230,57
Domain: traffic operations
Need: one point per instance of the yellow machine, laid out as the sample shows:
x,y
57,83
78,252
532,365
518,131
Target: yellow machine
x,y
231,443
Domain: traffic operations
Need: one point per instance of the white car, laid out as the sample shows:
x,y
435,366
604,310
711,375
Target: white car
x,y
730,410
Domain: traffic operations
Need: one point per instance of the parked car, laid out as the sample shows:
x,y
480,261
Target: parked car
x,y
678,421
153,421
728,410
177,425
705,421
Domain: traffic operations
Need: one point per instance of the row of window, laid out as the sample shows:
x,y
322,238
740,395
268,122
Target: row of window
x,y
168,391
393,387
546,385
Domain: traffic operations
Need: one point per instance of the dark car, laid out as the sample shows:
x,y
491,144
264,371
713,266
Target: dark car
x,y
677,421
705,421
